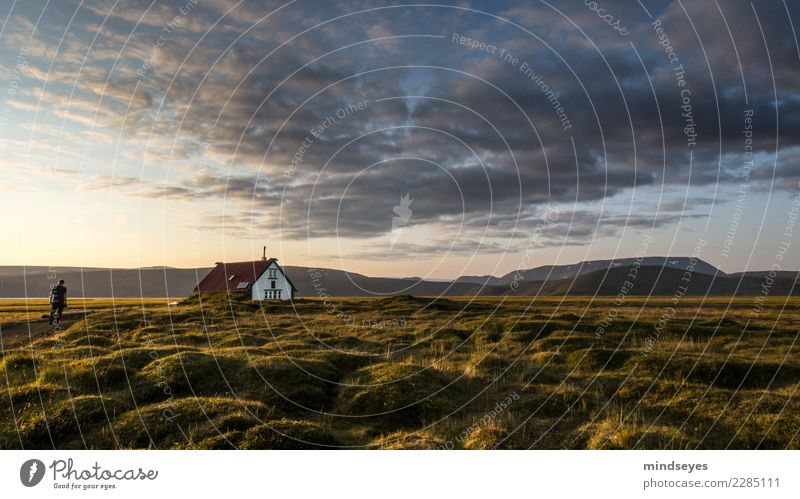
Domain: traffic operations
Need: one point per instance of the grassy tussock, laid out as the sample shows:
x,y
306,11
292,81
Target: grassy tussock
x,y
407,373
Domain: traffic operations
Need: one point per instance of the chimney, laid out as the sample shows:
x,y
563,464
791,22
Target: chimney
x,y
264,255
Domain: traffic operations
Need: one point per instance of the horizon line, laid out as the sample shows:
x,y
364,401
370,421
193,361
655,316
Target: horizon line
x,y
55,268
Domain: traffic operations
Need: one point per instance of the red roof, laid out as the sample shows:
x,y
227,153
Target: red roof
x,y
233,277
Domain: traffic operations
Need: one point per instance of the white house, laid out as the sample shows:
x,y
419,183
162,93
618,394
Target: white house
x,y
272,284
262,280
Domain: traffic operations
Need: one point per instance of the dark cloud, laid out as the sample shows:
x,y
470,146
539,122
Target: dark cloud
x,y
473,138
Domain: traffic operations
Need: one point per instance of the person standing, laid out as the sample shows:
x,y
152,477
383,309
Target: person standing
x,y
58,301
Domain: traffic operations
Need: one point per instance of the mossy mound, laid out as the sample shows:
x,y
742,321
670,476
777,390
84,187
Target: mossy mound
x,y
180,422
487,437
237,421
194,374
526,331
552,400
235,339
724,322
401,394
717,370
341,362
413,303
89,376
215,305
31,395
595,359
486,365
768,431
564,344
195,338
614,434
396,300
541,359
100,330
288,434
150,335
135,359
489,334
100,341
19,367
65,424
297,384
401,440
291,384
445,339
226,441
352,344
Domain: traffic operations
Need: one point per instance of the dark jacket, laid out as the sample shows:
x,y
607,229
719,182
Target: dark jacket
x,y
58,295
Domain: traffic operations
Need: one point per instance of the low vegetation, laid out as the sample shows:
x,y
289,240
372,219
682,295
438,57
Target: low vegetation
x,y
406,373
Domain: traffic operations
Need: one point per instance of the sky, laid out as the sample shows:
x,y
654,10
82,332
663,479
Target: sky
x,y
389,139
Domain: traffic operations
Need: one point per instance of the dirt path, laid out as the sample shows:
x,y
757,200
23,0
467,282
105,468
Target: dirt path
x,y
19,334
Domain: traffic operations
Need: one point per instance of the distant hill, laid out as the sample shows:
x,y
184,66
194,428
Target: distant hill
x,y
315,282
99,282
558,272
764,273
17,270
650,280
658,276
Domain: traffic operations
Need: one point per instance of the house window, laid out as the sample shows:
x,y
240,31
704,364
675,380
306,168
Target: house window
x,y
232,277
273,273
278,292
273,284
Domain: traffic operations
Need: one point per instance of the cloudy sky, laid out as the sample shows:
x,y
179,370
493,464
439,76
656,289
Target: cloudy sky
x,y
138,133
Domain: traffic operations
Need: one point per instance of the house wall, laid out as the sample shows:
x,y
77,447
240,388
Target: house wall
x,y
263,284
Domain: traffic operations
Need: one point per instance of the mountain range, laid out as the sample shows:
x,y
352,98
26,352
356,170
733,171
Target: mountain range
x,y
658,276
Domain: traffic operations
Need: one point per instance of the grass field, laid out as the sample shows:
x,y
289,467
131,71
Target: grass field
x,y
406,372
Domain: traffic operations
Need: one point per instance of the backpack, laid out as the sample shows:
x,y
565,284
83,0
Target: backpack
x,y
57,294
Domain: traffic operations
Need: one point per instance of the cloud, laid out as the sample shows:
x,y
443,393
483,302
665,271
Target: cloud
x,y
476,137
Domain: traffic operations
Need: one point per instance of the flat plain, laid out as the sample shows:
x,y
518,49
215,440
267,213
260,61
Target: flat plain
x,y
403,373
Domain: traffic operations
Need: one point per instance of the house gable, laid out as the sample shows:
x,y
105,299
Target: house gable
x,y
273,284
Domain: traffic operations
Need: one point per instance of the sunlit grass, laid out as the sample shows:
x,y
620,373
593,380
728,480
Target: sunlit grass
x,y
406,373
